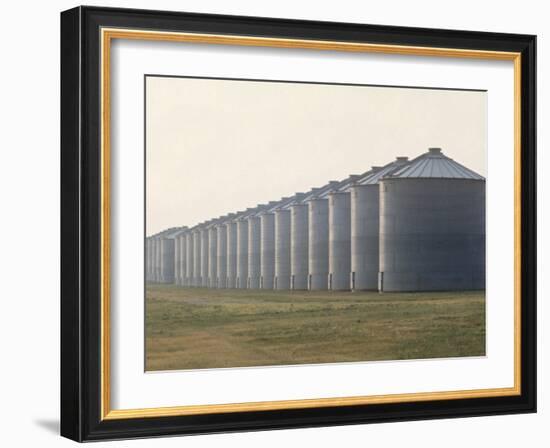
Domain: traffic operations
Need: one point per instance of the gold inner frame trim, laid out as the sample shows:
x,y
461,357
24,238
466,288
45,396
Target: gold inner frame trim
x,y
107,35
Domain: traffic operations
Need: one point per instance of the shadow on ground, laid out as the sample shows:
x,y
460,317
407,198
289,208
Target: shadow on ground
x,y
51,426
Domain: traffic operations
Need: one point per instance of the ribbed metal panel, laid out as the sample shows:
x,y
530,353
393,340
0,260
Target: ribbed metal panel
x,y
254,251
432,234
197,253
364,237
299,243
177,261
221,256
242,253
434,164
166,260
282,249
158,274
148,259
231,254
204,257
166,254
189,259
267,253
376,173
318,244
153,259
212,256
183,258
339,248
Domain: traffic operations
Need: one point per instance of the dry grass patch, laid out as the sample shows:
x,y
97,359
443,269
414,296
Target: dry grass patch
x,y
191,328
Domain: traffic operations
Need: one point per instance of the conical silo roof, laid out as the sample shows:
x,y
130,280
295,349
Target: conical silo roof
x,y
172,232
378,172
316,192
254,211
178,232
308,195
269,207
224,219
325,190
435,164
276,205
345,185
286,204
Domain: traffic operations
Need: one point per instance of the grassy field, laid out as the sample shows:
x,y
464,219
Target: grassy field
x,y
209,328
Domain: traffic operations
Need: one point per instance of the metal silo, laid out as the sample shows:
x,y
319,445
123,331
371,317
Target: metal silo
x,y
177,257
282,249
212,255
189,259
204,254
167,254
267,244
248,247
299,238
167,260
153,257
197,281
282,278
148,258
221,267
365,226
299,245
432,226
318,239
254,250
339,236
241,279
157,259
267,250
177,261
231,227
183,258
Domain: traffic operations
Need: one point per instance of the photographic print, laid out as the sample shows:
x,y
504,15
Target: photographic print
x,y
292,223
275,224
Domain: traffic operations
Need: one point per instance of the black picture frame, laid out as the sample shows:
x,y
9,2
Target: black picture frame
x,y
81,224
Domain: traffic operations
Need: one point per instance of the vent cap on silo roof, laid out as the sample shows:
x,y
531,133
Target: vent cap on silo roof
x,y
325,190
377,173
434,164
345,185
287,202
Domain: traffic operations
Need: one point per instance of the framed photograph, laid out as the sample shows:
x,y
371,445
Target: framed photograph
x,y
272,223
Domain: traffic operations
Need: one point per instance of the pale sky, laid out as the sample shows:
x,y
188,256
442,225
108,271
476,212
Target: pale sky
x,y
219,146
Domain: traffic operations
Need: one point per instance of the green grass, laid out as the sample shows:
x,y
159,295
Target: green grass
x,y
191,328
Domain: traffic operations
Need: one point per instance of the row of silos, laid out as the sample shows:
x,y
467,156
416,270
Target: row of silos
x,y
407,226
161,257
